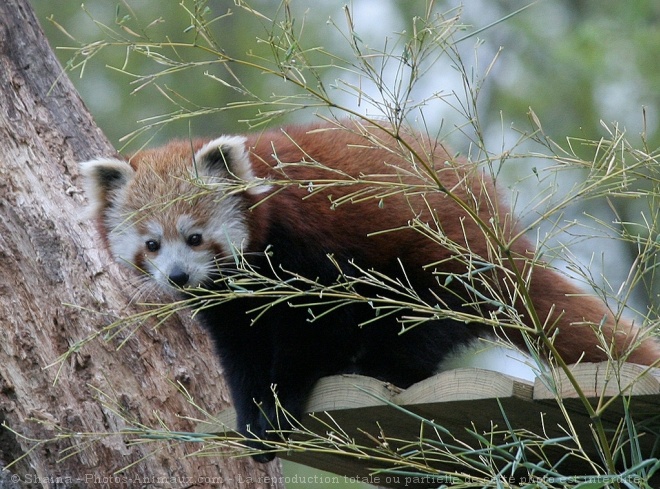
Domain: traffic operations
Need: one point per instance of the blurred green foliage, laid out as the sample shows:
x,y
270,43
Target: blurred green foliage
x,y
573,62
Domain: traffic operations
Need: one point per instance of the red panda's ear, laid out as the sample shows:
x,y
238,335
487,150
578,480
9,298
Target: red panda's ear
x,y
103,178
227,158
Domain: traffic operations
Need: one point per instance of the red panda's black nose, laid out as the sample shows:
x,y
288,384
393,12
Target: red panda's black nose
x,y
178,277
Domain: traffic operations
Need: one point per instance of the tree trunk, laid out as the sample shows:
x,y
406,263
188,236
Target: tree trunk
x,y
57,287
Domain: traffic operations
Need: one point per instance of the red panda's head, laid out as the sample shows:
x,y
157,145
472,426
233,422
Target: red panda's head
x,y
172,214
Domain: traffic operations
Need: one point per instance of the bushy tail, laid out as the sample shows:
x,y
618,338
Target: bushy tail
x,y
582,326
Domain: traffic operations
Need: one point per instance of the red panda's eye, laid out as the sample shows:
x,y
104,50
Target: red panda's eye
x,y
152,245
194,240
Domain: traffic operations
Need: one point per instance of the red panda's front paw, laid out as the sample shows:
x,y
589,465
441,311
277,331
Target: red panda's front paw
x,y
257,437
261,455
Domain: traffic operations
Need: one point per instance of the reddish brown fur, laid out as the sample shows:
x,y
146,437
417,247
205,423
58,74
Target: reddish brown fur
x,y
562,306
557,301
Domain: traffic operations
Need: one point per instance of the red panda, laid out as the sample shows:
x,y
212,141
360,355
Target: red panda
x,y
351,209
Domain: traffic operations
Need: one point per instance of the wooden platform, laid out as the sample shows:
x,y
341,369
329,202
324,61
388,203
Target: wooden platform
x,y
468,404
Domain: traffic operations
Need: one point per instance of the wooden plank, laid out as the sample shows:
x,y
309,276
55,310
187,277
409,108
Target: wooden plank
x,y
601,382
598,380
487,402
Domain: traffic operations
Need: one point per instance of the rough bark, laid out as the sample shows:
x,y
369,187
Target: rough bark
x,y
57,287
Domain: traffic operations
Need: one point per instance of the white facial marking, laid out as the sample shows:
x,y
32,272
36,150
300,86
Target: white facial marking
x,y
177,256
